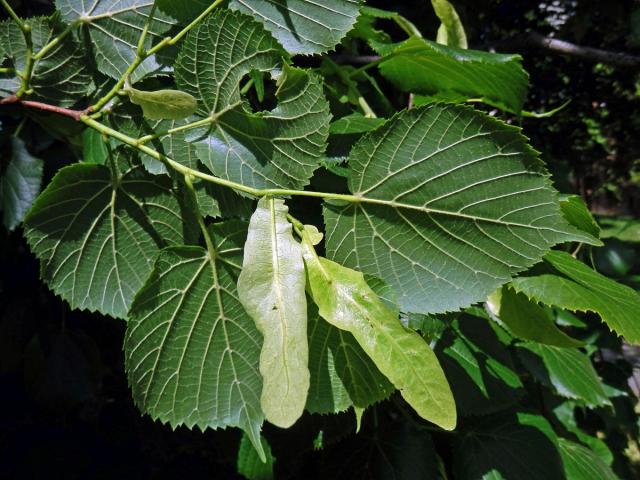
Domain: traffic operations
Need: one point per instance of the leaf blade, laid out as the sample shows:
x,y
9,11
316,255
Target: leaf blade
x,y
452,203
20,184
303,26
191,351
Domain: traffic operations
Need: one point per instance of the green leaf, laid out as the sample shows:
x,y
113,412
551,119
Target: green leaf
x,y
527,320
451,32
277,148
61,77
271,289
327,393
97,234
303,26
94,147
427,68
453,203
479,367
577,214
164,104
191,350
585,290
184,10
355,123
567,370
521,447
346,301
249,464
342,374
114,27
20,184
580,463
624,229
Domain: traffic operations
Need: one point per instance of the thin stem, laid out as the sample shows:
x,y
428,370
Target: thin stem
x,y
188,181
142,55
23,26
189,126
55,41
366,108
135,143
141,52
7,70
368,66
21,125
271,192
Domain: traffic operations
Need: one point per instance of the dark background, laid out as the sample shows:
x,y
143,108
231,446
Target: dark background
x,y
65,407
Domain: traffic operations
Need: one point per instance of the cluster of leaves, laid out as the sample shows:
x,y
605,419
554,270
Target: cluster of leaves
x,y
435,276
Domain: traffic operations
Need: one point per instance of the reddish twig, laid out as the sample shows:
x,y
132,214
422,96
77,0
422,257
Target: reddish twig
x,y
67,112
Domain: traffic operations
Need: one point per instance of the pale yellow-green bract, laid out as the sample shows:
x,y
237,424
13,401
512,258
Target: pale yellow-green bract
x,y
164,104
347,302
271,288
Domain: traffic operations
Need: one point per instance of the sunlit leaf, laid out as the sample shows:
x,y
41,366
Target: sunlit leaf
x,y
346,301
277,148
453,203
303,26
272,289
164,104
579,288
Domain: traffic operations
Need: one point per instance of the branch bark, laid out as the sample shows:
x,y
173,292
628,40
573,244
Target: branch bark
x,y
67,112
591,54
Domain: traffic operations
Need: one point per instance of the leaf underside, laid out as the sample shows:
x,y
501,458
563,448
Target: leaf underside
x,y
97,233
303,26
454,203
277,148
192,351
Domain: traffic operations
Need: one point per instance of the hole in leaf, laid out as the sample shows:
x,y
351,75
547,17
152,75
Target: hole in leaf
x,y
259,89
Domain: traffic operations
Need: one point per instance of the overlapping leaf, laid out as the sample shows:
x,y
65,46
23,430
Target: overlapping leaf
x,y
581,463
577,214
19,185
528,320
279,148
567,370
579,288
342,374
479,367
304,26
421,66
192,352
61,77
97,233
213,200
346,301
115,27
452,204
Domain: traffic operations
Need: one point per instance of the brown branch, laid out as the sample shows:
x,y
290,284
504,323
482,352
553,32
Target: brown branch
x,y
562,47
67,112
